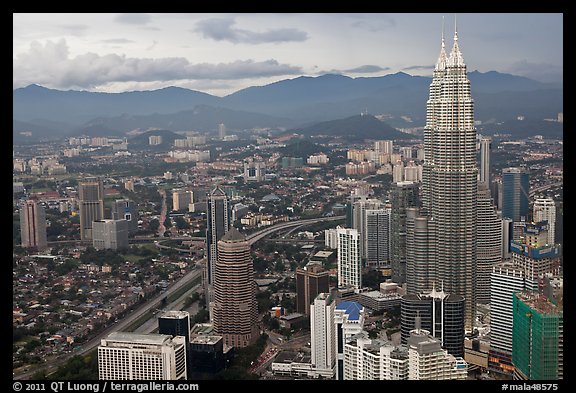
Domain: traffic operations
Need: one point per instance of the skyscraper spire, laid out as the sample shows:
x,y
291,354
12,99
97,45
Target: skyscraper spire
x,y
441,63
456,59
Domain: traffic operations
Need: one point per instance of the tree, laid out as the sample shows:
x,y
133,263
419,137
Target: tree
x,y
181,223
154,224
279,266
201,317
168,222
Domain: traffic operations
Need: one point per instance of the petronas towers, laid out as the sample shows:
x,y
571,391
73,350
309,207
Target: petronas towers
x,y
449,189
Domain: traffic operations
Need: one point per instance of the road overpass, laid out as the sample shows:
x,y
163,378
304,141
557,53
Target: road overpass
x,y
157,299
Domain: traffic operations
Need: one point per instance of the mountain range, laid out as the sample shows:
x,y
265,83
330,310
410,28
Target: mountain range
x,y
290,103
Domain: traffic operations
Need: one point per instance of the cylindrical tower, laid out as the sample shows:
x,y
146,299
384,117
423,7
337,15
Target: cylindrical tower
x,y
235,309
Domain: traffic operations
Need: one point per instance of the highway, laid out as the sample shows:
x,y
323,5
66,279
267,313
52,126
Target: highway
x,y
275,228
117,326
154,302
545,187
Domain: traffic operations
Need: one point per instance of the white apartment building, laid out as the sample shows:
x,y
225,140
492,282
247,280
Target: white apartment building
x,y
545,210
322,333
428,361
134,356
349,262
367,359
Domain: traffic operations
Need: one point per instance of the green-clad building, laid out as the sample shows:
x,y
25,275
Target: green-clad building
x,y
537,337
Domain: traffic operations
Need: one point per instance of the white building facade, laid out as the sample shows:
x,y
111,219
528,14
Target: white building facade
x,y
133,356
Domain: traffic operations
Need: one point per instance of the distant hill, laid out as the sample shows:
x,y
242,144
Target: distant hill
x,y
301,148
288,103
141,141
525,128
355,128
202,118
81,106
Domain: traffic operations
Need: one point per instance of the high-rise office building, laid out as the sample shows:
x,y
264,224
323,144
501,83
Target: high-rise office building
x,y
221,130
181,199
428,361
217,224
125,209
506,279
310,281
545,210
533,254
349,320
515,193
450,178
488,242
349,262
150,357
507,233
377,237
358,194
322,333
420,252
177,323
440,313
361,205
537,337
207,354
90,205
110,234
33,225
403,195
485,147
235,312
524,272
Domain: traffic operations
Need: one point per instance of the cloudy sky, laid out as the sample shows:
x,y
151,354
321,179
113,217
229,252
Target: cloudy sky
x,y
223,53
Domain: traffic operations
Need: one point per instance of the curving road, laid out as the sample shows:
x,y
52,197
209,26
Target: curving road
x,y
275,228
545,187
153,302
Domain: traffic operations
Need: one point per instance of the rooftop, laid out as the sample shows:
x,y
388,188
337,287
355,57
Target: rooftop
x,y
353,309
173,314
423,342
540,303
202,329
206,339
380,295
323,254
138,338
233,235
292,316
